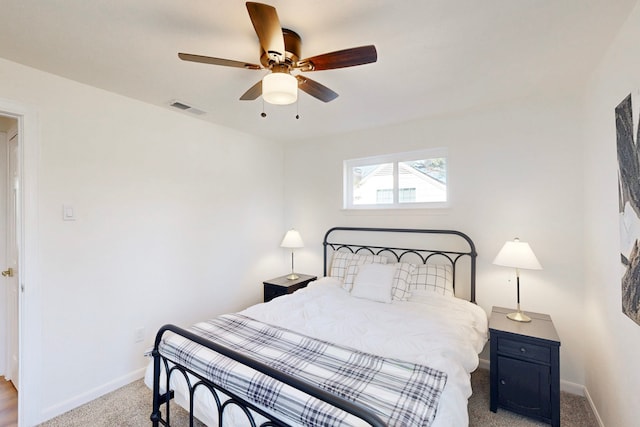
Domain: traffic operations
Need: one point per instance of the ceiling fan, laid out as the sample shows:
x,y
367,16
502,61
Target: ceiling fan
x,y
280,53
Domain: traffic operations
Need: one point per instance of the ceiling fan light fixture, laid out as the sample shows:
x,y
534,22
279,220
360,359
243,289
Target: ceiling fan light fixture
x,y
279,88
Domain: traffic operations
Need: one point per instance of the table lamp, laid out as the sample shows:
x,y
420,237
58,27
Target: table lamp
x,y
518,255
292,240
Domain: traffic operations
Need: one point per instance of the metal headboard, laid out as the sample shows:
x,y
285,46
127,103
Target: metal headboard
x,y
423,254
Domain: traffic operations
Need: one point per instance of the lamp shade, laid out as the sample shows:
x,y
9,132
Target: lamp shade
x,y
292,240
517,254
279,88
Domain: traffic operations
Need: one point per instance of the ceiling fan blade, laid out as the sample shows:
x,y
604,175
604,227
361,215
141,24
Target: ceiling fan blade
x,y
267,25
218,61
315,89
340,59
253,93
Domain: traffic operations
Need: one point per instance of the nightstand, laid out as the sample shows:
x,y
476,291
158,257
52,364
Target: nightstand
x,y
525,366
282,286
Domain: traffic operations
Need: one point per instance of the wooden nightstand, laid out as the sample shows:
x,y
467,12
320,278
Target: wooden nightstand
x,y
525,366
282,286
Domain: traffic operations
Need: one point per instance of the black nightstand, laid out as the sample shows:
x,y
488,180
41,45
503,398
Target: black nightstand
x,y
525,366
282,286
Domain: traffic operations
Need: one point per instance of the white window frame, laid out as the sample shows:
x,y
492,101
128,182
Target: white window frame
x,y
394,158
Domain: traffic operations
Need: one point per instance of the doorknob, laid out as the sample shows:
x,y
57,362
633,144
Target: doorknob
x,y
8,272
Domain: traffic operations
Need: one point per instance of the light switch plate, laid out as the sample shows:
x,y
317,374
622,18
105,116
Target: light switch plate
x,y
68,213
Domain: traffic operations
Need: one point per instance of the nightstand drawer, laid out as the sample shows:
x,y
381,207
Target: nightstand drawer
x,y
524,350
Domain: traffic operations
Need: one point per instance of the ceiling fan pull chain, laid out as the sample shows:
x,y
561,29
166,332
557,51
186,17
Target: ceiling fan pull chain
x,y
263,114
298,108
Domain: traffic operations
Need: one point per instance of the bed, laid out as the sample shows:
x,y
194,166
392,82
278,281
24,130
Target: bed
x,y
389,336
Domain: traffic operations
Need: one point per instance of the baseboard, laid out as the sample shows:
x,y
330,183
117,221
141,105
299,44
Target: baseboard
x,y
61,408
572,388
593,407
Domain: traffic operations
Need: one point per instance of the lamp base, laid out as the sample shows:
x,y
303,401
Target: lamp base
x,y
519,316
293,276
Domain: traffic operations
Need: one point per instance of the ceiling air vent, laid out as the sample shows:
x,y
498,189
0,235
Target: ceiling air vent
x,y
184,107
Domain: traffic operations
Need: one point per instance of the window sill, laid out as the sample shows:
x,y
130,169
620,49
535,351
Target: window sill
x,y
396,211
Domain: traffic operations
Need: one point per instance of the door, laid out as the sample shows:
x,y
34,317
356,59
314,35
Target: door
x,y
11,269
524,387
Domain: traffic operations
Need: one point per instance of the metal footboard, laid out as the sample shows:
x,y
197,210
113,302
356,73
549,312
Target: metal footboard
x,y
228,399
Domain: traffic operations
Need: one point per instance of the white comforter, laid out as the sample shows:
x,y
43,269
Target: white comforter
x,y
444,333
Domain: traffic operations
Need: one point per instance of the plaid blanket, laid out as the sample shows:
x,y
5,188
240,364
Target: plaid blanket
x,y
401,393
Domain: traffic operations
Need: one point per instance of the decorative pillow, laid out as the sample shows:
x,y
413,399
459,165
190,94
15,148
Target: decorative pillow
x,y
401,279
339,263
373,282
354,265
434,277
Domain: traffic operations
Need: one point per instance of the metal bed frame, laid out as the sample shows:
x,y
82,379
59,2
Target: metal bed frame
x,y
228,399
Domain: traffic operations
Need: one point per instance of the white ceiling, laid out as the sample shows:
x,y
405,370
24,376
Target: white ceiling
x,y
434,56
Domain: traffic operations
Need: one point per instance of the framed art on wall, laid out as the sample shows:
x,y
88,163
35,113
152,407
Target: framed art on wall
x,y
629,206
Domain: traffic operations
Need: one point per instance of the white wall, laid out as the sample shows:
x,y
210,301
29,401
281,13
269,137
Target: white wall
x,y
612,339
162,235
515,170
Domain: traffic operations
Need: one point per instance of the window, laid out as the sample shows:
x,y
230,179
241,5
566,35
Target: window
x,y
416,179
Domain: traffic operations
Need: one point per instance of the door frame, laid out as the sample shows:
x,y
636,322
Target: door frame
x,y
29,313
11,283
4,328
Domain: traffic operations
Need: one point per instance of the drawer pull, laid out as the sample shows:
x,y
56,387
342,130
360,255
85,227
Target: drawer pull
x,y
503,382
523,350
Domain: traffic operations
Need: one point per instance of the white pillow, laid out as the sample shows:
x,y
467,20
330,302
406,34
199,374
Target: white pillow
x,y
434,277
354,265
374,282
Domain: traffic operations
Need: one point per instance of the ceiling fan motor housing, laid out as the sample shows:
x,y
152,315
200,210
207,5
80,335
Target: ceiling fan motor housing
x,y
292,46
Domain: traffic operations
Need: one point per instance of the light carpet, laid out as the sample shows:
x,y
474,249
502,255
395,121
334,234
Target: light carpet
x,y
130,406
